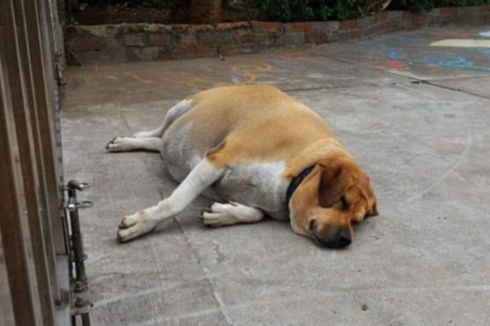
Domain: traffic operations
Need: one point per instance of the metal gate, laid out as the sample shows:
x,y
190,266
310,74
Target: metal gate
x,y
34,242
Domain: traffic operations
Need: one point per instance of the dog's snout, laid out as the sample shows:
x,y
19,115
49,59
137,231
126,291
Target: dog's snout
x,y
334,238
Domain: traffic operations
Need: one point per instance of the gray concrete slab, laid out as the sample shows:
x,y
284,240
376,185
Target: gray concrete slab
x,y
419,129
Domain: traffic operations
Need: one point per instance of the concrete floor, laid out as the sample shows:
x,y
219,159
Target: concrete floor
x,y
417,119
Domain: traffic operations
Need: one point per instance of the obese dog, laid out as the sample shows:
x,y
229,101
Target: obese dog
x,y
258,152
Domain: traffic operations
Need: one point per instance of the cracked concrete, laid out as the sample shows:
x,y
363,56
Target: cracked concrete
x,y
415,117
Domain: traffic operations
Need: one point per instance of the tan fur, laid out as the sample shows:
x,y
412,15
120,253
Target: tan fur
x,y
248,115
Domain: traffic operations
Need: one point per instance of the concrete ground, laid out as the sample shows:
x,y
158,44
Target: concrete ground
x,y
415,116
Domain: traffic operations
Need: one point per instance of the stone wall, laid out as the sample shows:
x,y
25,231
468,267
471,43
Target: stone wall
x,y
147,42
208,11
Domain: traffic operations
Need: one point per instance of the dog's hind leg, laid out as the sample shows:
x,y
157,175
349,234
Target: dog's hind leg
x,y
231,213
149,140
173,114
126,144
201,177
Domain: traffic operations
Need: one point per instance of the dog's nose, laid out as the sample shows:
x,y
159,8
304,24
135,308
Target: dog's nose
x,y
343,238
339,238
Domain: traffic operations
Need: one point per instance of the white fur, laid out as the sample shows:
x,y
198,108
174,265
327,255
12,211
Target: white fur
x,y
200,178
172,114
258,185
231,213
124,144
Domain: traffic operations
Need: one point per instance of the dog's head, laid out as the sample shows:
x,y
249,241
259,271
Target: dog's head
x,y
335,196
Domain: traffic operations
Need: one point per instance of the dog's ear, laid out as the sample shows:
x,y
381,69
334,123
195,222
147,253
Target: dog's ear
x,y
367,191
335,181
304,199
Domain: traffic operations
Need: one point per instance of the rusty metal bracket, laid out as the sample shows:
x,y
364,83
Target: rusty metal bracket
x,y
80,305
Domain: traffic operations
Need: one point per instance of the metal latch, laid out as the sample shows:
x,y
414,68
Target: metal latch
x,y
80,305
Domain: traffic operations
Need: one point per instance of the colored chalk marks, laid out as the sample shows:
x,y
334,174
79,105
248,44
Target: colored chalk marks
x,y
399,57
393,64
462,43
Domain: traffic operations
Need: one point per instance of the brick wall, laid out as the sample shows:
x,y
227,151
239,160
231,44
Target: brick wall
x,y
205,11
147,42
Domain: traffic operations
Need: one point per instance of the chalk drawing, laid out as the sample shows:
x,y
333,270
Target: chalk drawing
x,y
393,54
294,55
458,62
240,74
451,34
248,72
136,77
197,82
462,43
290,55
486,52
393,64
446,60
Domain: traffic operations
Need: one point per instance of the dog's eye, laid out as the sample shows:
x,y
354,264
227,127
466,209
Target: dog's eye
x,y
344,202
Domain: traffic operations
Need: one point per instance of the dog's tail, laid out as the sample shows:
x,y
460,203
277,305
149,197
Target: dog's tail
x,y
173,114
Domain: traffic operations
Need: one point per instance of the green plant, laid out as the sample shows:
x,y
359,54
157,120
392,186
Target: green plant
x,y
302,10
134,3
423,5
291,10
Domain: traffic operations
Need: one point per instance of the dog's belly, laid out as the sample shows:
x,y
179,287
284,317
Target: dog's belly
x,y
258,185
179,154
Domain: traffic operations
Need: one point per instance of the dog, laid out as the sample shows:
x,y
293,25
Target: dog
x,y
257,152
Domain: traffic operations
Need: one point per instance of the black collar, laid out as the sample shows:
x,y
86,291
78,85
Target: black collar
x,y
297,181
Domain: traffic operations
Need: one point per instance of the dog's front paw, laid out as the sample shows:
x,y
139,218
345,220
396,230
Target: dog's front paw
x,y
219,215
133,226
116,145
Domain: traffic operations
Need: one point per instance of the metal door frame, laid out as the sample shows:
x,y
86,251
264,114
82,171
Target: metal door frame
x,y
33,240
